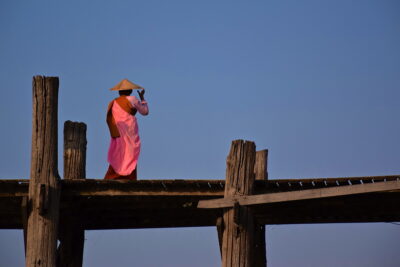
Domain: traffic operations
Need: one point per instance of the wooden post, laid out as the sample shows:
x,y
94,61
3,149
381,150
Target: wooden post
x,y
74,150
261,165
220,230
44,196
72,234
261,173
24,218
238,235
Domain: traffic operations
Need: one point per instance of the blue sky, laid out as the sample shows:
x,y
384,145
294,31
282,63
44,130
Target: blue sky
x,y
315,82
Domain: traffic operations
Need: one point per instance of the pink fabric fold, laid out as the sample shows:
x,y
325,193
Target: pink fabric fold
x,y
124,151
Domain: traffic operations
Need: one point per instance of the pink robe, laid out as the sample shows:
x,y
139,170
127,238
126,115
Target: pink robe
x,y
124,151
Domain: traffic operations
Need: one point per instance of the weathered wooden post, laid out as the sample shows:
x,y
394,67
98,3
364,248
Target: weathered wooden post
x,y
74,150
220,231
72,234
261,165
261,173
44,187
238,234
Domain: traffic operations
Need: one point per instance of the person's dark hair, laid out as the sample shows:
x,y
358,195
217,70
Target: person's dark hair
x,y
125,92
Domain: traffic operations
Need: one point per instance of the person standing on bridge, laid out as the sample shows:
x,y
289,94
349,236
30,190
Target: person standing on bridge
x,y
124,150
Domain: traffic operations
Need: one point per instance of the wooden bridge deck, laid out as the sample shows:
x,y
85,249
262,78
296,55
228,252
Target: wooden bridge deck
x,y
103,204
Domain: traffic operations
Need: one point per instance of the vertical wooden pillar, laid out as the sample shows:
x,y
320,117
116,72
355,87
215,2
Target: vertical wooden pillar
x,y
44,182
74,150
220,230
261,173
238,234
72,234
261,165
24,217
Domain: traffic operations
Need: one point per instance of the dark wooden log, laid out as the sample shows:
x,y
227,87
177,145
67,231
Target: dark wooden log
x,y
72,234
44,189
261,173
238,236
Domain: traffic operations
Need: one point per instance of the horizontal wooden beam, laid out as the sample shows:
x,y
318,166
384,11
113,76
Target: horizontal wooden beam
x,y
149,212
299,195
11,188
130,204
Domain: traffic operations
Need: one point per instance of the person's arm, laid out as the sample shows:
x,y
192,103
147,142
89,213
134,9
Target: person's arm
x,y
141,105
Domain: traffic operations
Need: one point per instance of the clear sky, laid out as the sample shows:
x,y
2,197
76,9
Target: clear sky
x,y
317,82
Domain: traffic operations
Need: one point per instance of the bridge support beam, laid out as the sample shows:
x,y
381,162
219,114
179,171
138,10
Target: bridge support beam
x,y
72,234
44,189
238,247
261,173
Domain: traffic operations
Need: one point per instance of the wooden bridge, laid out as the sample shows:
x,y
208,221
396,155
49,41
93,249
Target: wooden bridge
x,y
49,208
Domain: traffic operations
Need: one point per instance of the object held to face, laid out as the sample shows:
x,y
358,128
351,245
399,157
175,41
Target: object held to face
x,y
125,142
141,94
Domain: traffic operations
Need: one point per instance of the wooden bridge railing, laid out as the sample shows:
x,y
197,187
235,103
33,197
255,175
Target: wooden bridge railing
x,y
43,203
247,199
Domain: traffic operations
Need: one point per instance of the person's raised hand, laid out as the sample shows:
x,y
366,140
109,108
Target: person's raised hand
x,y
141,94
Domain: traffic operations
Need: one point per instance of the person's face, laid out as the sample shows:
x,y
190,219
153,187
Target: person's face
x,y
125,92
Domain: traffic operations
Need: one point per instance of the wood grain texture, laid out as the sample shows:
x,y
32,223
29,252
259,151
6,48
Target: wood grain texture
x,y
261,165
93,197
74,150
300,195
220,230
238,234
43,218
261,173
72,233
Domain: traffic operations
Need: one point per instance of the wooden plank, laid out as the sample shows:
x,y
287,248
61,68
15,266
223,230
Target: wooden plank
x,y
261,173
184,194
96,187
44,188
238,235
130,212
300,195
72,233
100,187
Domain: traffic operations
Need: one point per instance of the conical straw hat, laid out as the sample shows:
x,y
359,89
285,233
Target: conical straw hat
x,y
125,84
